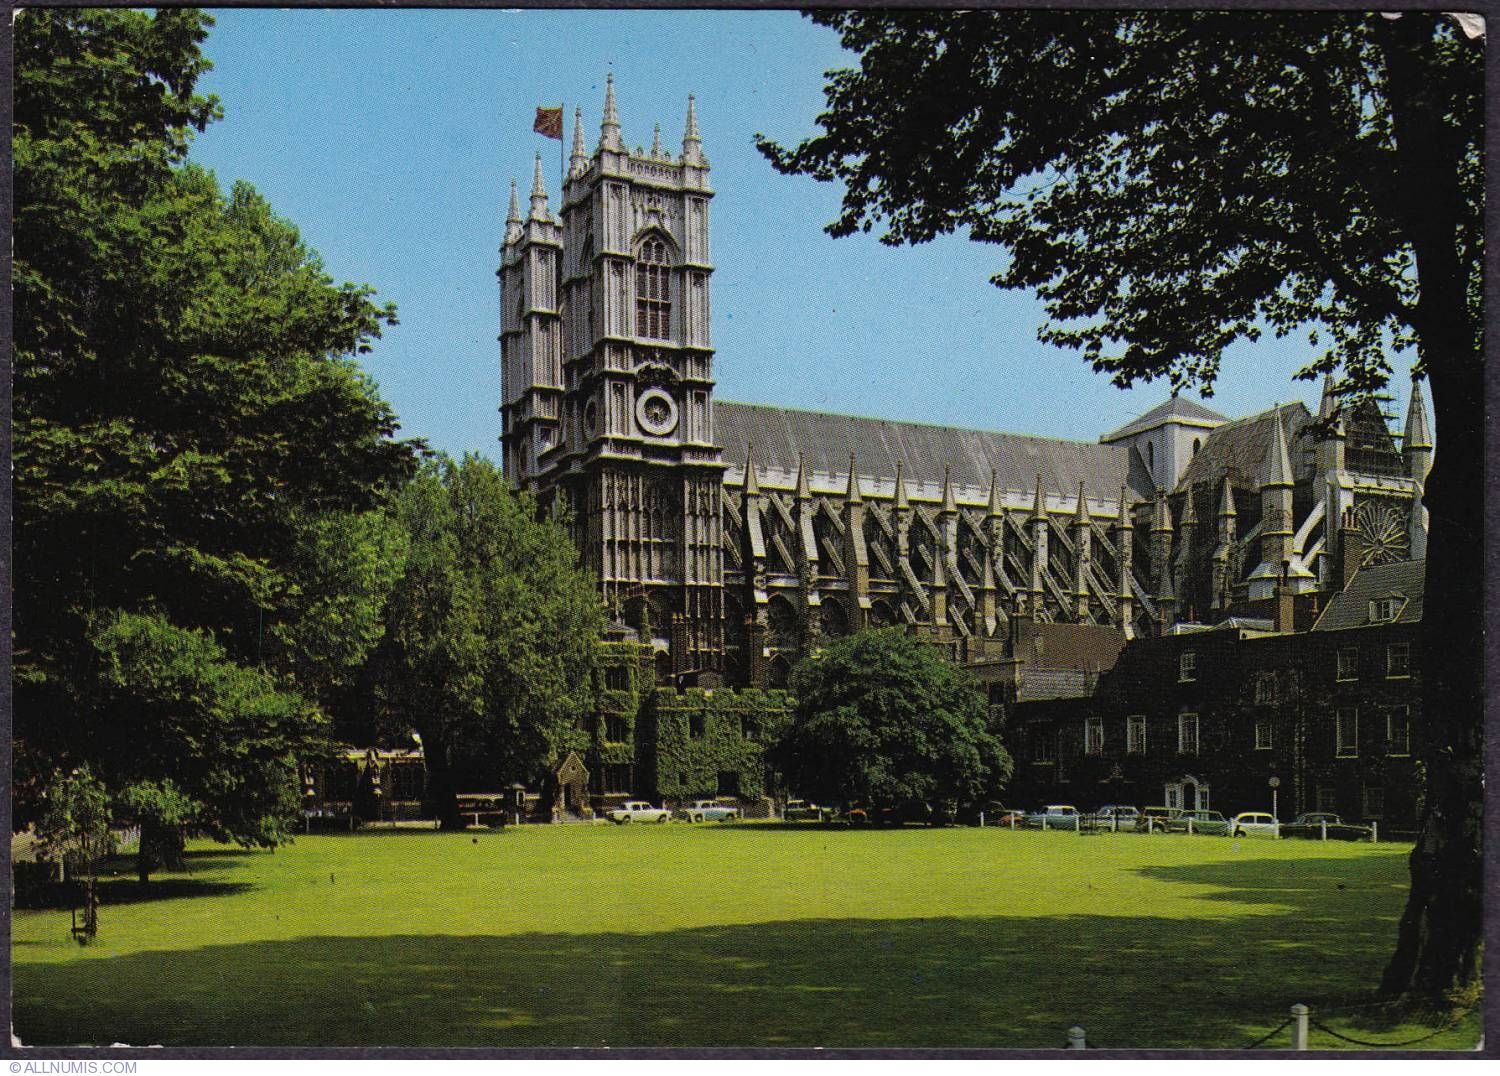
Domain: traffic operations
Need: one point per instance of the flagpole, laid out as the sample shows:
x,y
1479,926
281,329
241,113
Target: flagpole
x,y
562,168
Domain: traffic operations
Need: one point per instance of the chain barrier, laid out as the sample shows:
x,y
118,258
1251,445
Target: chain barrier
x,y
1270,1035
1447,1026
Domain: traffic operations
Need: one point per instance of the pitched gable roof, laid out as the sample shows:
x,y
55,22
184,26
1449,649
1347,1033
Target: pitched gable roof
x,y
825,442
1350,608
1174,408
1239,448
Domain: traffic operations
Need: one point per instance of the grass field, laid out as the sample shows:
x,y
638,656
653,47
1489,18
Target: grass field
x,y
752,935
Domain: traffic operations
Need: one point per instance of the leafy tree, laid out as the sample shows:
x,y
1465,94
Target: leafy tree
x,y
190,425
490,634
186,733
74,831
883,718
1170,182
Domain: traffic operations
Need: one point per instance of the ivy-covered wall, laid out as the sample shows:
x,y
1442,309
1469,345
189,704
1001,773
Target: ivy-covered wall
x,y
711,742
659,743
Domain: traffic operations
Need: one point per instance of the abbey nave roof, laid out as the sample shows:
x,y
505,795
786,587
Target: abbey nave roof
x,y
825,441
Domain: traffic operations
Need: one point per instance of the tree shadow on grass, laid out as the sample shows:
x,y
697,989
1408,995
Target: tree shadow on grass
x,y
1133,981
118,891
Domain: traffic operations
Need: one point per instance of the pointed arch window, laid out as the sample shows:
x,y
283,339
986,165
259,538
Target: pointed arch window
x,y
653,291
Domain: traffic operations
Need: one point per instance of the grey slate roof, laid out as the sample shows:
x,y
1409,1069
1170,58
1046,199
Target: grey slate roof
x,y
1172,407
1048,683
1240,447
1350,608
779,434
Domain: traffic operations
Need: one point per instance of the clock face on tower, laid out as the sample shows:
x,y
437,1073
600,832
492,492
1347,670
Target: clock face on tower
x,y
656,412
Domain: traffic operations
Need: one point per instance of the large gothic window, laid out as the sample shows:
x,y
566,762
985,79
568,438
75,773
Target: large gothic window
x,y
653,296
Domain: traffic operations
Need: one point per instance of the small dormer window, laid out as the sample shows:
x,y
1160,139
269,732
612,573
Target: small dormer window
x,y
1383,610
1151,458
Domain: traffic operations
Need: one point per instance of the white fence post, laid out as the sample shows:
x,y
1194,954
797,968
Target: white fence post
x,y
1323,825
1374,832
1190,825
1299,1026
981,819
1076,1038
1013,821
1044,821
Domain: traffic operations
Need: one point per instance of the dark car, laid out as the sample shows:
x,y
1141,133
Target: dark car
x,y
1321,825
913,812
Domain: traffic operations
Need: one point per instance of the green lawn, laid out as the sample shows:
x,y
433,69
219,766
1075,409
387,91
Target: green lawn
x,y
727,935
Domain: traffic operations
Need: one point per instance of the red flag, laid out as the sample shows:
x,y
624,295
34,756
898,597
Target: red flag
x,y
549,122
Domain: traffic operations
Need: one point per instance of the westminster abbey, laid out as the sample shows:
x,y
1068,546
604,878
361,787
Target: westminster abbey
x,y
733,537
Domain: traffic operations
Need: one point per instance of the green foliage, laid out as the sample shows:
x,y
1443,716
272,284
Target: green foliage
x,y
180,357
700,734
190,733
882,717
490,633
74,827
1168,182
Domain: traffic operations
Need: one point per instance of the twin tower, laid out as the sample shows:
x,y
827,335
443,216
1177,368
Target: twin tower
x,y
607,377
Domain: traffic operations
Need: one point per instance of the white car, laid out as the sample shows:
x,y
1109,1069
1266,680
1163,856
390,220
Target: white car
x,y
708,811
637,811
1254,824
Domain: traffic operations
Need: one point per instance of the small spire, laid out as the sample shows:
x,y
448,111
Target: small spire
x,y
1277,470
1189,515
513,217
752,484
1418,435
997,505
1039,505
1081,515
1226,502
1124,521
851,493
1161,521
580,159
656,150
538,193
900,488
609,127
1329,410
804,492
950,503
692,145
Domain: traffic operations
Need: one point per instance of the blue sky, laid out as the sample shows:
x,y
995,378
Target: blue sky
x,y
390,138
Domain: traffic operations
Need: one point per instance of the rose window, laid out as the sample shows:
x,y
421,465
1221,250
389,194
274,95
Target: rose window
x,y
1382,528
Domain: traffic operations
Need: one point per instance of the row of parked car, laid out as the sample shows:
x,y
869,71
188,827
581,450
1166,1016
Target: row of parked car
x,y
1116,817
696,811
1113,817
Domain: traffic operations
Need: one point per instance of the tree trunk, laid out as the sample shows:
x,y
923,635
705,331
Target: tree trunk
x,y
440,801
1442,928
162,848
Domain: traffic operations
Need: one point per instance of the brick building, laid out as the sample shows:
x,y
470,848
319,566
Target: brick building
x,y
1205,716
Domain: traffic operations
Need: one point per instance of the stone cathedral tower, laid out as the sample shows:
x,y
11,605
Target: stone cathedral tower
x,y
607,375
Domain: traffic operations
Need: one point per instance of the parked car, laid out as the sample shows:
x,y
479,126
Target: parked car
x,y
709,811
802,811
1314,825
915,812
1254,824
637,811
1200,821
1113,816
1155,819
1054,816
